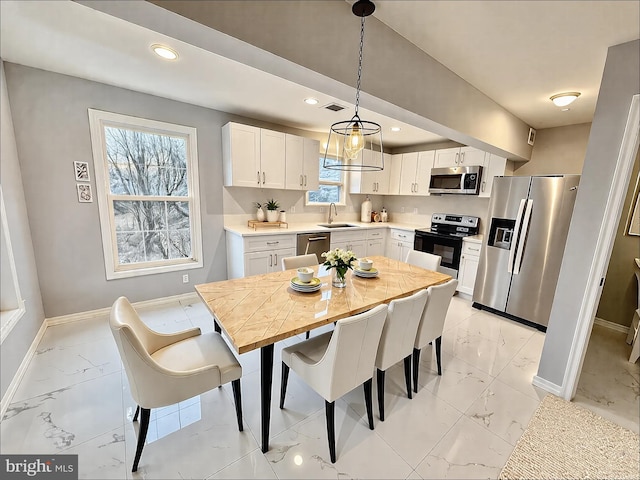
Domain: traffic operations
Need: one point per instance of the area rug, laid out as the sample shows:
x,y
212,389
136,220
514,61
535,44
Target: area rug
x,y
566,441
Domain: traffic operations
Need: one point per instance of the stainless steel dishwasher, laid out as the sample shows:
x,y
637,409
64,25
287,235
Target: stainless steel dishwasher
x,y
317,243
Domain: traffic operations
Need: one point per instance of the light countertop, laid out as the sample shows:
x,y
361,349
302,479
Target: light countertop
x,y
294,228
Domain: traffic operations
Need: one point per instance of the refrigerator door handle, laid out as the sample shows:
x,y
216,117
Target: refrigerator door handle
x,y
523,237
516,234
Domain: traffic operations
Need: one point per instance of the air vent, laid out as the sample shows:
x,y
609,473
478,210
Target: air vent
x,y
334,107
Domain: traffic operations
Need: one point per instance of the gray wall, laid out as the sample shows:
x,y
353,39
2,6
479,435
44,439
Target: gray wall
x,y
15,346
621,80
52,130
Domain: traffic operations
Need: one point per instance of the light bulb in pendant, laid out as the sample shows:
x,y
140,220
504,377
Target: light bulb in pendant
x,y
354,143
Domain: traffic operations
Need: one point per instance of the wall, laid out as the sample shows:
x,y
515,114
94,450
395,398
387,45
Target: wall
x,y
620,81
557,150
619,297
16,345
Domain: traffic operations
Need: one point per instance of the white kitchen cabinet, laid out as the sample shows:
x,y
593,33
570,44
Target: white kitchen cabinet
x,y
468,266
399,243
458,156
371,182
252,157
302,163
354,240
395,170
257,254
494,166
415,173
375,242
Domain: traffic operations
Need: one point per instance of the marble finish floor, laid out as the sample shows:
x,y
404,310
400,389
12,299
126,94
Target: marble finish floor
x,y
74,398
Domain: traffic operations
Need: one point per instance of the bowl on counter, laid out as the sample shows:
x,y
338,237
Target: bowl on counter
x,y
305,274
365,264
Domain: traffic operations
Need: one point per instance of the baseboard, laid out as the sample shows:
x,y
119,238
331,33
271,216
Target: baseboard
x,y
76,317
156,302
547,386
613,326
17,378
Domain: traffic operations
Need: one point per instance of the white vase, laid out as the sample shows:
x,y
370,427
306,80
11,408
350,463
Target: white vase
x,y
272,215
260,215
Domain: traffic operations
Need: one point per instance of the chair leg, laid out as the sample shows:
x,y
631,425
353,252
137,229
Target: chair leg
x,y
307,335
407,374
135,415
237,398
438,354
367,400
283,383
142,436
330,411
380,380
416,363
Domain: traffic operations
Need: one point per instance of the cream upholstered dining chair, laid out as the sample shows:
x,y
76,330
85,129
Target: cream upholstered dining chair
x,y
335,363
432,324
397,340
425,260
308,260
164,369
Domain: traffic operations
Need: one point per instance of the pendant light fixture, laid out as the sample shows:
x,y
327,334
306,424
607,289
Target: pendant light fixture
x,y
349,139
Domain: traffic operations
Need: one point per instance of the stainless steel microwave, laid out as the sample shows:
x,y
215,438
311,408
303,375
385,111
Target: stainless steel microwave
x,y
458,180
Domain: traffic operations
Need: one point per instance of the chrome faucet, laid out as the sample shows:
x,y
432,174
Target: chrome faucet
x,y
335,209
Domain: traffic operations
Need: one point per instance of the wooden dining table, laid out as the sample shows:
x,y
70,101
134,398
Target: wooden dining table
x,y
260,310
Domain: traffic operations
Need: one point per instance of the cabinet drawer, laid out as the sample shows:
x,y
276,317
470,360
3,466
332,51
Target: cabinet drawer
x,y
269,242
469,248
347,236
374,234
402,235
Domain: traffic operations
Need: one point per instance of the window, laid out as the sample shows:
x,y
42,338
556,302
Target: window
x,y
147,189
331,187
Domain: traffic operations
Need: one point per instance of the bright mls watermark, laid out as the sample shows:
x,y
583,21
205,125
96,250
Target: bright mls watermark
x,y
50,467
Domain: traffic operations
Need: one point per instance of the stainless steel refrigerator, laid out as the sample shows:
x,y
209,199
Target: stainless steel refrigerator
x,y
522,250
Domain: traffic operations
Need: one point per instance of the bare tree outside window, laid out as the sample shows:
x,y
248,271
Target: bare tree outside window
x,y
149,198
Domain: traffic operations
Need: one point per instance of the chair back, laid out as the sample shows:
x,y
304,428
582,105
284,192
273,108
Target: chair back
x,y
400,328
435,312
352,351
425,260
309,260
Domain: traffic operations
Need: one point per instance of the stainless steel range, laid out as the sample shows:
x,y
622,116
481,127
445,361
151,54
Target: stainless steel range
x,y
444,238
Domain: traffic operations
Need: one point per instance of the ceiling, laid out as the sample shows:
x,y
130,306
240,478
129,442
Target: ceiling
x,y
516,52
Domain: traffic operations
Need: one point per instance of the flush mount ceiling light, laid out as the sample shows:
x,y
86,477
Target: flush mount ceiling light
x,y
310,101
395,129
165,52
348,138
564,99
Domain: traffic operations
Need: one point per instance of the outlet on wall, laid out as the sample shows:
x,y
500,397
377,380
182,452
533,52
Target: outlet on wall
x,y
321,209
415,210
401,209
185,278
293,209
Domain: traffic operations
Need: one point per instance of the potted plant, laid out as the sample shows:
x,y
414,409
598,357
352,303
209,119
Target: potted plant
x,y
341,261
259,212
272,210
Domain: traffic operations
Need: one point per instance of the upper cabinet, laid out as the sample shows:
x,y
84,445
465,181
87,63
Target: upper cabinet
x,y
261,158
302,165
494,166
459,156
415,173
372,182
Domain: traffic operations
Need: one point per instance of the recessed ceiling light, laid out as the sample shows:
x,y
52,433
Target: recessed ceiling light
x,y
311,101
564,99
395,129
165,52
565,109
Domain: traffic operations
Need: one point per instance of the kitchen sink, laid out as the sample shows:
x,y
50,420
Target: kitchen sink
x,y
338,225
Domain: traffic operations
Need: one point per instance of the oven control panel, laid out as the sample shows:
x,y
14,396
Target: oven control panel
x,y
455,220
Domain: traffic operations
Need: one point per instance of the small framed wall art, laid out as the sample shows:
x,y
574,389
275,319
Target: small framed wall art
x,y
82,171
84,193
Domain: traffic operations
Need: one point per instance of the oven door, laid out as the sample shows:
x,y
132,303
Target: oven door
x,y
449,248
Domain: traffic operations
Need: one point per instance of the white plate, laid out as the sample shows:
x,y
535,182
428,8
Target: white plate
x,y
359,273
298,288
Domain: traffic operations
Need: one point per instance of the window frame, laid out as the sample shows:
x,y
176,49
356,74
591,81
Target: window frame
x,y
342,183
98,120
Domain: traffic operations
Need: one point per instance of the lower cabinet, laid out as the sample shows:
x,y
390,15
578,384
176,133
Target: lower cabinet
x,y
376,241
350,240
256,263
399,243
468,266
257,254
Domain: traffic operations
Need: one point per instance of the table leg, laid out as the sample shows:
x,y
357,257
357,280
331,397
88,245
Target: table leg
x,y
266,377
216,327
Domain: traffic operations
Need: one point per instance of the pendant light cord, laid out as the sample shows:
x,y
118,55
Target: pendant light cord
x,y
360,64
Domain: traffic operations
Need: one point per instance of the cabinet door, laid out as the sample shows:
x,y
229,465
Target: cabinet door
x,y
272,158
368,179
494,167
467,275
382,177
471,156
423,172
392,249
278,255
408,173
241,155
311,165
257,263
447,157
375,247
404,250
394,173
294,159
